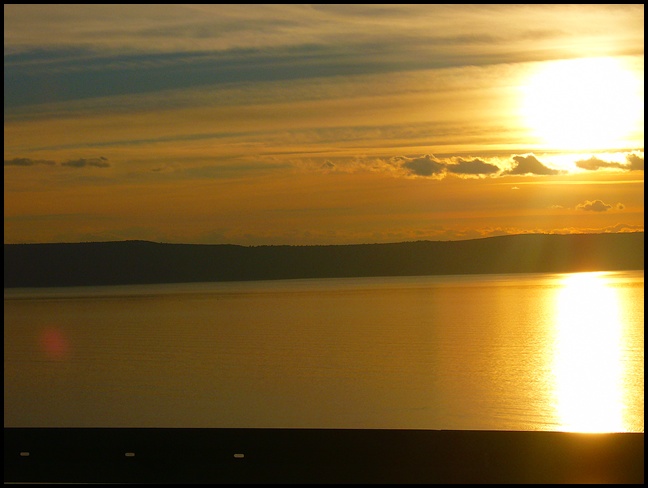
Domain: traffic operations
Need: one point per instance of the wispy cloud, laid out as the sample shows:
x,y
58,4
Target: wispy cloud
x,y
27,162
221,27
100,162
122,49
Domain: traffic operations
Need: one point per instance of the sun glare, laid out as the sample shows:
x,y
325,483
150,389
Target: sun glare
x,y
584,104
587,362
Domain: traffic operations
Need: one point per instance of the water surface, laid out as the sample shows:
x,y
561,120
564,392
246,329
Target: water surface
x,y
558,352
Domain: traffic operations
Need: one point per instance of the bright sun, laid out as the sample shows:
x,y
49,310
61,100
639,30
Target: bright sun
x,y
584,104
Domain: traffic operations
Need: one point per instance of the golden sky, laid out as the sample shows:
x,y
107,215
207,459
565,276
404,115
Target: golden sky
x,y
321,124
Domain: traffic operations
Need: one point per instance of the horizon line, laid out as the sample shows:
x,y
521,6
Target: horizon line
x,y
320,245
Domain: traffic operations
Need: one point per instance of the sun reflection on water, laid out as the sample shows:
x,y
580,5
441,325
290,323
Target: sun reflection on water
x,y
587,365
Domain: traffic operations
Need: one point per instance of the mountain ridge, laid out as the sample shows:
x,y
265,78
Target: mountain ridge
x,y
142,262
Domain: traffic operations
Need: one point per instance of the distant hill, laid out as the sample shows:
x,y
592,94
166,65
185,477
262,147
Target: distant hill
x,y
139,262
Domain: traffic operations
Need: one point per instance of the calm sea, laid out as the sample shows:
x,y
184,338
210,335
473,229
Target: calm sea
x,y
533,352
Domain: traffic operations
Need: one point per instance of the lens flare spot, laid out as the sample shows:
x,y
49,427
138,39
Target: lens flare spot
x,y
54,344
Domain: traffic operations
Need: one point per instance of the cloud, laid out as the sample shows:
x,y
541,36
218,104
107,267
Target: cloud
x,y
636,162
622,227
529,165
594,206
174,28
474,167
136,49
595,163
99,162
431,166
612,229
424,166
27,162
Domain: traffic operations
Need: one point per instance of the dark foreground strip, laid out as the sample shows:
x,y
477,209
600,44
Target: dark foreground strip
x,y
168,455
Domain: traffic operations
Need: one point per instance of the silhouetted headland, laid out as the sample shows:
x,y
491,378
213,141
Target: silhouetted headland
x,y
141,262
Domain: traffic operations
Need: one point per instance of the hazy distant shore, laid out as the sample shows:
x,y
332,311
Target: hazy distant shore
x,y
140,262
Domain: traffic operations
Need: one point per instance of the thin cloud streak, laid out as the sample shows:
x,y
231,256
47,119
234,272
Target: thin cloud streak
x,y
95,50
176,28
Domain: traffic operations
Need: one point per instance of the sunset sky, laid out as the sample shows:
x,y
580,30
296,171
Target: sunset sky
x,y
321,124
